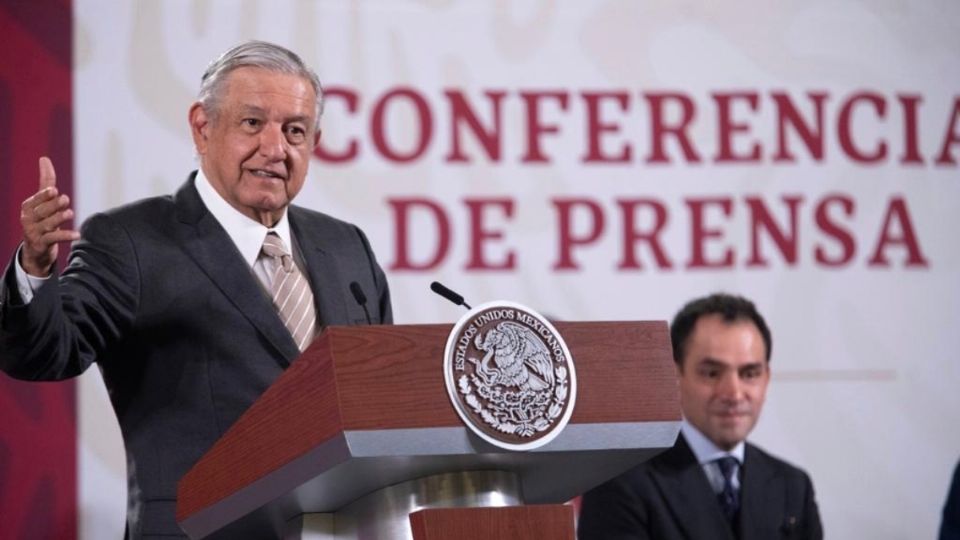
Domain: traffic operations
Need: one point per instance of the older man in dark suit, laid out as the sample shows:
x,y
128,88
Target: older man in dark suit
x,y
193,304
711,484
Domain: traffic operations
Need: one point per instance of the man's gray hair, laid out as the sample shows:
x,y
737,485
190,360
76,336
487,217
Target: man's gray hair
x,y
255,54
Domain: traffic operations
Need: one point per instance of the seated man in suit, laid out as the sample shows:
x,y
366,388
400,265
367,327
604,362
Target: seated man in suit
x,y
711,484
194,303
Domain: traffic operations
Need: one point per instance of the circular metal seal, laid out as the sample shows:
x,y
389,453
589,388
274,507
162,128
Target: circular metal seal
x,y
510,375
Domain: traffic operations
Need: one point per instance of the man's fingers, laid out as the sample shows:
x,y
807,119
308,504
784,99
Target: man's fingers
x,y
40,246
49,239
41,216
62,235
38,198
48,208
44,217
48,176
37,231
54,221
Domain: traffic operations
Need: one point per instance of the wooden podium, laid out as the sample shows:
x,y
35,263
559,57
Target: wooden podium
x,y
358,439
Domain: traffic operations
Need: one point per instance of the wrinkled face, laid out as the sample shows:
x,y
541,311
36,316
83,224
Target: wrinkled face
x,y
723,379
255,147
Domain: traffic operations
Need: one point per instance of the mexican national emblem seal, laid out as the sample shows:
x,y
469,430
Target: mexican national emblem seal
x,y
510,376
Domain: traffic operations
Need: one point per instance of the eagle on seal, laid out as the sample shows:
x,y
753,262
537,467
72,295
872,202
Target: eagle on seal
x,y
519,357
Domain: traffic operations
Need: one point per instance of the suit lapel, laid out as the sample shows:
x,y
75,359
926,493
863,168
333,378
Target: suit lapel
x,y
688,494
761,507
205,241
322,270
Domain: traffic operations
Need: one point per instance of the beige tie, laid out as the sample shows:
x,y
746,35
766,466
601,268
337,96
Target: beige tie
x,y
291,292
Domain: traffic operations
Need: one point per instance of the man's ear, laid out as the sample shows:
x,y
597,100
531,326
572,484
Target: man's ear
x,y
199,127
316,138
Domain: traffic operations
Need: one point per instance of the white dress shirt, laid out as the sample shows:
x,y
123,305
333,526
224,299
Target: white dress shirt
x,y
246,233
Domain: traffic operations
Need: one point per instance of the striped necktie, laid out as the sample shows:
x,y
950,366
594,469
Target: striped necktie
x,y
291,292
729,497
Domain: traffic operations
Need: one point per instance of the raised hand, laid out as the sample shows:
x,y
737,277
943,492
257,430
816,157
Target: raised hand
x,y
41,217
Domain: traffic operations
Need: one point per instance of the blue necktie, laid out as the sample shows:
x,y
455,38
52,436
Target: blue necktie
x,y
729,497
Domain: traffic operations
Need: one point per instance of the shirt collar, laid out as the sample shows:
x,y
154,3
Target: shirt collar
x,y
704,449
245,233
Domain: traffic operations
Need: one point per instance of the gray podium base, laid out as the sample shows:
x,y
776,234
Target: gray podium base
x,y
384,514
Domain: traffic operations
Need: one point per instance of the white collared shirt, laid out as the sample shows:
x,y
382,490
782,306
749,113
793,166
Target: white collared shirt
x,y
245,233
707,453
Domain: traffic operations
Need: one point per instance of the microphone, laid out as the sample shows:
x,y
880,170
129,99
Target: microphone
x,y
361,298
448,294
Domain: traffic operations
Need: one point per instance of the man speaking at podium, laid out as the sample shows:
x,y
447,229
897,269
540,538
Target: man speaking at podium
x,y
194,303
711,484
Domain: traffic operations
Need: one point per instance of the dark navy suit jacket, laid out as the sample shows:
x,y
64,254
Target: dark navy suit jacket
x,y
669,498
185,336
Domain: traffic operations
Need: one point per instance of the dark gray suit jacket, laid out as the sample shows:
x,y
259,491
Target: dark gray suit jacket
x,y
186,338
669,498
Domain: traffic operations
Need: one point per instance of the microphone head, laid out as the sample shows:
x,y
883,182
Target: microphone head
x,y
446,293
357,292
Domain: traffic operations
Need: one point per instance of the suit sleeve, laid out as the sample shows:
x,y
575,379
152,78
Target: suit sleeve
x,y
612,511
72,319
